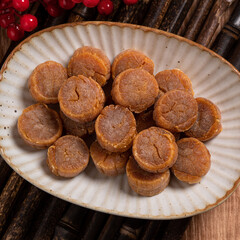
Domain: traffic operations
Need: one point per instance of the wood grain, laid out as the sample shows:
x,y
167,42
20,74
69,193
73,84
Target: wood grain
x,y
8,197
4,43
23,217
187,19
156,13
222,21
228,37
175,15
220,223
5,172
235,57
213,21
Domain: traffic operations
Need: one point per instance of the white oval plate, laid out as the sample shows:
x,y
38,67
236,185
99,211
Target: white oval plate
x,y
212,77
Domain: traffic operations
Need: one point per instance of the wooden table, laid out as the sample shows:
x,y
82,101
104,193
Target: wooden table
x,y
222,222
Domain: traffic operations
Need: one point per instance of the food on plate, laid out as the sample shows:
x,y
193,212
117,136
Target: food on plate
x,y
131,58
39,126
108,163
193,160
175,111
208,123
90,62
136,89
145,183
164,107
155,149
46,80
145,120
115,128
81,99
173,79
75,128
68,156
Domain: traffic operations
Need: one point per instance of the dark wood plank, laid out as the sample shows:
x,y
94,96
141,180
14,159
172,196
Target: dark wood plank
x,y
190,14
20,223
133,13
5,172
131,229
224,18
175,229
229,35
93,226
74,217
111,227
156,13
175,15
235,58
8,198
46,218
212,21
4,43
198,19
151,230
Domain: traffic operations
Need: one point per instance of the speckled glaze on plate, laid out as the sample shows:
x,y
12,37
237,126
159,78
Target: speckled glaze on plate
x,y
211,75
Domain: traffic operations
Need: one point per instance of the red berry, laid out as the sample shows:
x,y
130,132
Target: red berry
x,y
21,5
54,10
3,5
6,19
50,1
14,32
28,22
91,3
105,7
77,1
66,4
130,2
5,11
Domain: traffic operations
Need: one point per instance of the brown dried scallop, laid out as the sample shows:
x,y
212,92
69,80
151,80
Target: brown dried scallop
x,y
115,128
145,183
173,79
81,99
131,59
136,89
46,80
145,120
108,163
75,128
155,149
39,126
68,156
90,62
193,160
175,111
208,123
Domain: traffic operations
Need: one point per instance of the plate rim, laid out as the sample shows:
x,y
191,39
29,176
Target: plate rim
x,y
102,209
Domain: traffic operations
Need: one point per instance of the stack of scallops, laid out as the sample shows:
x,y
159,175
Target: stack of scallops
x,y
145,125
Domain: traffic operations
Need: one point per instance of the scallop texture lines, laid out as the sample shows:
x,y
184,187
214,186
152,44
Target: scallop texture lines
x,y
211,77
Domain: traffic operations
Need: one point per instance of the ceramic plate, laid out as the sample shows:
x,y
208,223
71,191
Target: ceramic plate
x,y
212,77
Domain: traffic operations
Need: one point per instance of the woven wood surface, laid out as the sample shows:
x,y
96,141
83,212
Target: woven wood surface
x,y
28,213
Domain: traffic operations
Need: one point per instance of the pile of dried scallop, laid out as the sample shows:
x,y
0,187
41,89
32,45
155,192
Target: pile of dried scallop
x,y
144,124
